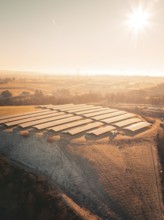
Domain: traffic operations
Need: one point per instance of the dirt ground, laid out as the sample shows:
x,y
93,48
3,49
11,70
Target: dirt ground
x,y
125,176
118,179
26,196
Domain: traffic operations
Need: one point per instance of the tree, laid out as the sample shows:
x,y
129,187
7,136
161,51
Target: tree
x,y
38,93
6,94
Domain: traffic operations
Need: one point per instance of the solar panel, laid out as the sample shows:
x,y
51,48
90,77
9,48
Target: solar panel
x,y
70,125
81,129
90,110
100,131
59,106
74,109
45,106
138,126
47,116
118,118
58,122
79,109
127,122
60,115
62,107
25,116
100,112
100,117
68,107
17,115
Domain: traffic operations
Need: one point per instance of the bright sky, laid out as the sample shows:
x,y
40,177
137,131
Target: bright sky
x,y
101,36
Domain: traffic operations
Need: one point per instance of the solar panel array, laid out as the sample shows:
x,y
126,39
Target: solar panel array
x,y
72,120
118,118
17,122
23,116
57,116
137,126
82,112
100,112
110,115
84,128
70,125
49,124
127,122
101,130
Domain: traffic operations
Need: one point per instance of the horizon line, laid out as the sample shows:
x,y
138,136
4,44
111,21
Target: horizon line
x,y
82,72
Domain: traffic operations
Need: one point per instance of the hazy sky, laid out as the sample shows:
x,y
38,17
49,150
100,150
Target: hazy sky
x,y
89,35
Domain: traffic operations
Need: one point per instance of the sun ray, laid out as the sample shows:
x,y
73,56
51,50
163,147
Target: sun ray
x,y
138,20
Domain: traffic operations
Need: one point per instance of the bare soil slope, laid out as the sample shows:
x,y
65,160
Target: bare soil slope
x,y
116,179
123,176
25,196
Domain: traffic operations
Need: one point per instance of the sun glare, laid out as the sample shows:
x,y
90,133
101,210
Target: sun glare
x,y
138,19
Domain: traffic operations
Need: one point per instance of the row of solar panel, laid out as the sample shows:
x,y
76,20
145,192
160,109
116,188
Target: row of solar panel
x,y
46,109
59,121
39,113
49,118
105,115
97,114
22,118
76,127
132,124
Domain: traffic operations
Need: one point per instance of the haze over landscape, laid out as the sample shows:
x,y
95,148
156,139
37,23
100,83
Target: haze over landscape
x,y
88,37
81,109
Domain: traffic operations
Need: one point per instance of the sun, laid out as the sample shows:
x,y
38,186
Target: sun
x,y
138,19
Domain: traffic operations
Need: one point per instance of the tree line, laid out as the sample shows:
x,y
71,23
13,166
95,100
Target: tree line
x,y
64,96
